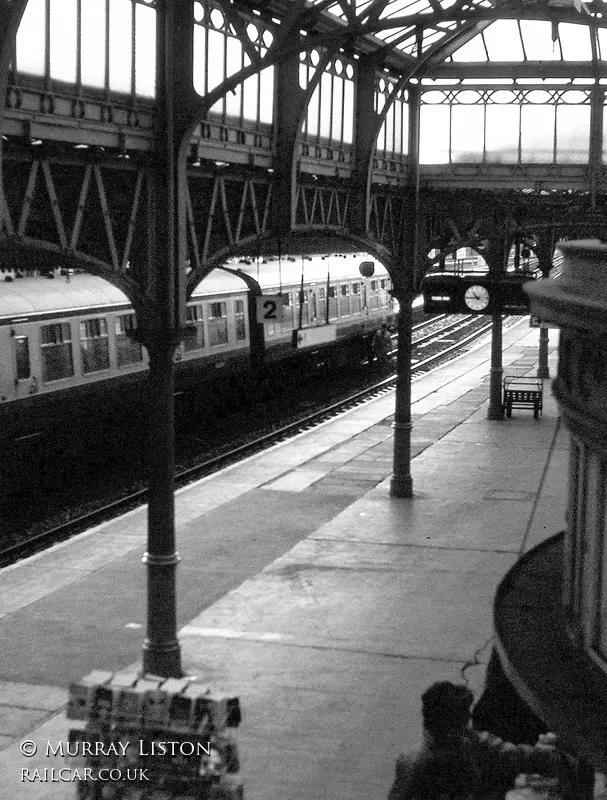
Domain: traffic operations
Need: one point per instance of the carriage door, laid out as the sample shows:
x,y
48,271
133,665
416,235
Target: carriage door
x,y
24,382
364,299
312,307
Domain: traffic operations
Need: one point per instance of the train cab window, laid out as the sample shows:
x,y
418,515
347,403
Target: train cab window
x,y
56,348
382,284
241,328
22,357
194,339
94,346
218,324
127,350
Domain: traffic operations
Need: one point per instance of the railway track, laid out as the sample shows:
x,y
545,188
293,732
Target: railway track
x,y
426,337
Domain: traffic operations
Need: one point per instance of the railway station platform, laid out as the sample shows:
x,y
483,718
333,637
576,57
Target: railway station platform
x,y
324,604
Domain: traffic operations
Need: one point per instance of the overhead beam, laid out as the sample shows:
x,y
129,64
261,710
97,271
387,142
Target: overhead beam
x,y
522,69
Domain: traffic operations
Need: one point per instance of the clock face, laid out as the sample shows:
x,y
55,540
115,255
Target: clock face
x,y
476,298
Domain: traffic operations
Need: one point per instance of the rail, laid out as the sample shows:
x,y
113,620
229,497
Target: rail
x,y
213,464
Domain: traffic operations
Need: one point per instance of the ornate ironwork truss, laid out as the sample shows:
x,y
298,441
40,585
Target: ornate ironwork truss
x,y
279,178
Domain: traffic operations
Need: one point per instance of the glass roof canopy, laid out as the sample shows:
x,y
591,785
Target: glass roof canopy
x,y
441,36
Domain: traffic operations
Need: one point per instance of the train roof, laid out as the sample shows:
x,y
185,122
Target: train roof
x,y
40,295
28,296
287,272
69,294
220,281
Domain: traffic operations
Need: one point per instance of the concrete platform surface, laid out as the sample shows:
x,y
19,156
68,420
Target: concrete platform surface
x,y
326,605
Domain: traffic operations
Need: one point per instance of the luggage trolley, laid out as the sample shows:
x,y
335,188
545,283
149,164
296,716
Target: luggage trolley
x,y
521,392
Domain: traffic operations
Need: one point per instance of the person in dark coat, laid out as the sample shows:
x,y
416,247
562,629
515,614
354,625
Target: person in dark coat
x,y
382,345
456,762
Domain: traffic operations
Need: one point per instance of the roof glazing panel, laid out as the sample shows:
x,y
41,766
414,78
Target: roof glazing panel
x,y
538,42
531,40
405,8
503,41
575,42
474,50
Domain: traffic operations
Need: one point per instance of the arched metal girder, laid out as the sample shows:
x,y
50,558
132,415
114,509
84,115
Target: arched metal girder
x,y
360,30
357,33
354,32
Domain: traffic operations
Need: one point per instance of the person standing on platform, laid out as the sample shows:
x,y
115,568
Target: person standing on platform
x,y
382,345
456,762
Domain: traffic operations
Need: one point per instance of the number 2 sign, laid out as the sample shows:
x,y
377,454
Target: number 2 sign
x,y
270,308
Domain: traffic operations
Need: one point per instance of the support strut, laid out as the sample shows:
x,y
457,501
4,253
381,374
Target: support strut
x,y
401,484
161,651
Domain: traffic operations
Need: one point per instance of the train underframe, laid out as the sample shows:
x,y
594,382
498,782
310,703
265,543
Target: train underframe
x,y
86,441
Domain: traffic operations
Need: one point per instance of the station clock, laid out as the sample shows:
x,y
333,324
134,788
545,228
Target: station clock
x,y
477,297
479,293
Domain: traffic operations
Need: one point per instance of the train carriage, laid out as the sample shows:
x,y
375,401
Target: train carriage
x,y
72,377
75,330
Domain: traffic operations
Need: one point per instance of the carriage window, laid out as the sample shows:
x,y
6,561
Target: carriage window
x,y
241,331
321,294
218,324
22,357
373,286
94,348
382,284
332,292
127,350
344,290
355,288
194,339
56,347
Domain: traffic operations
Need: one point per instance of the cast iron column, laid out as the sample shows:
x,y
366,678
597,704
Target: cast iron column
x,y
161,650
496,258
595,154
161,333
366,128
545,263
10,18
401,484
495,410
543,370
290,104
